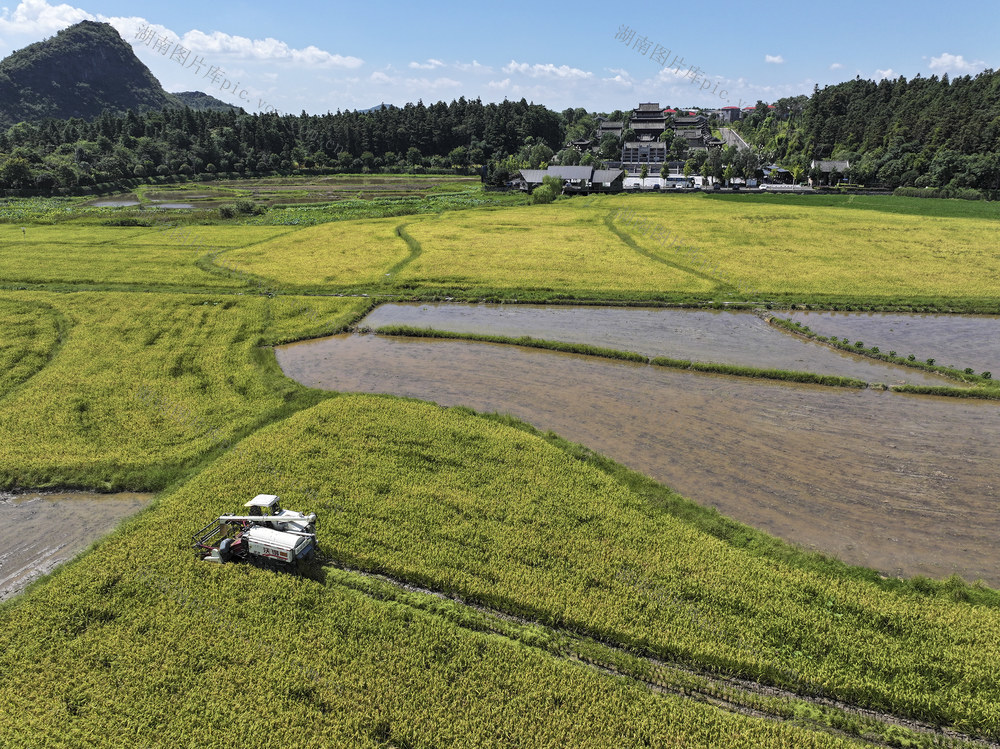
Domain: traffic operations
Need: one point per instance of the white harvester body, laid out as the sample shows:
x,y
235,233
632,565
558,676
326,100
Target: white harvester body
x,y
280,536
271,544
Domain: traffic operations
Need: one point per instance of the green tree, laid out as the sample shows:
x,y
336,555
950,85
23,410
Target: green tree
x,y
643,173
459,157
569,157
610,148
15,172
555,184
539,154
713,165
542,194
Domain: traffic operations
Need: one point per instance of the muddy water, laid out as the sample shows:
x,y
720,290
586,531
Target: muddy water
x,y
956,340
40,531
905,484
727,337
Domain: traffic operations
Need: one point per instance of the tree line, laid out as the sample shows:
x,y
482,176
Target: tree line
x,y
460,134
923,132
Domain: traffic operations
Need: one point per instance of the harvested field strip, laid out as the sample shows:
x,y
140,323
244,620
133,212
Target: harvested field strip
x,y
734,695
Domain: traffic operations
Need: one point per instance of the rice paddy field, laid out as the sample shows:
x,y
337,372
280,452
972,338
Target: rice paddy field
x,y
480,583
687,248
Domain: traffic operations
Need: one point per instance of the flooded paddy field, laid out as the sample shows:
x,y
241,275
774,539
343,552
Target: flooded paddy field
x,y
904,484
955,340
727,337
39,531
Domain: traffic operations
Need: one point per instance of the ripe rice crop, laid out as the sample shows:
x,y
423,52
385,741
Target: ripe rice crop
x,y
145,383
342,253
30,334
98,256
139,642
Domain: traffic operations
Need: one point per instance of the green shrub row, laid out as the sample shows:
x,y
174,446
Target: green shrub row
x,y
963,193
873,352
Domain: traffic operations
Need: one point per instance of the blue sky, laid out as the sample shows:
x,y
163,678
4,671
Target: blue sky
x,y
319,57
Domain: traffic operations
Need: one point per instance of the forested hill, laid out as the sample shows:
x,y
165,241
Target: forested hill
x,y
80,72
109,148
924,131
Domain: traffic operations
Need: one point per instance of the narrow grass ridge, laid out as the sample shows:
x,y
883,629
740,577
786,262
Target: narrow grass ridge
x,y
873,352
608,353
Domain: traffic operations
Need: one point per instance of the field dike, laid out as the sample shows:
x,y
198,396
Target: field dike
x,y
983,386
608,353
806,708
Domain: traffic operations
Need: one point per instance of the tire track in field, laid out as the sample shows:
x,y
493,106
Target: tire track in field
x,y
730,693
415,251
631,243
62,326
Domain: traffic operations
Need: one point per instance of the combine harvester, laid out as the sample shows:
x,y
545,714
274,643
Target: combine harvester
x,y
267,536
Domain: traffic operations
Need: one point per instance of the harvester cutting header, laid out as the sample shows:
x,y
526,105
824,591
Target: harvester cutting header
x,y
267,536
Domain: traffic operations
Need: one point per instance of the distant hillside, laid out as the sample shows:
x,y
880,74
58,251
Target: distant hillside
x,y
201,102
923,132
80,72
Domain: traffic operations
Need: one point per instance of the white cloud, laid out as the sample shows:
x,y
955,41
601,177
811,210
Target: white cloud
x,y
500,85
412,84
836,66
268,49
888,73
948,63
473,66
545,70
777,59
429,65
38,18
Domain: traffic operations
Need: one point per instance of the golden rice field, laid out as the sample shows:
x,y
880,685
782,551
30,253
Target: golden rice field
x,y
146,382
681,247
139,358
140,639
70,253
344,253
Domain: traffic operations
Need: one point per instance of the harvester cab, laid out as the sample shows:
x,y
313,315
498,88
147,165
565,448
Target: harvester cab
x,y
267,536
